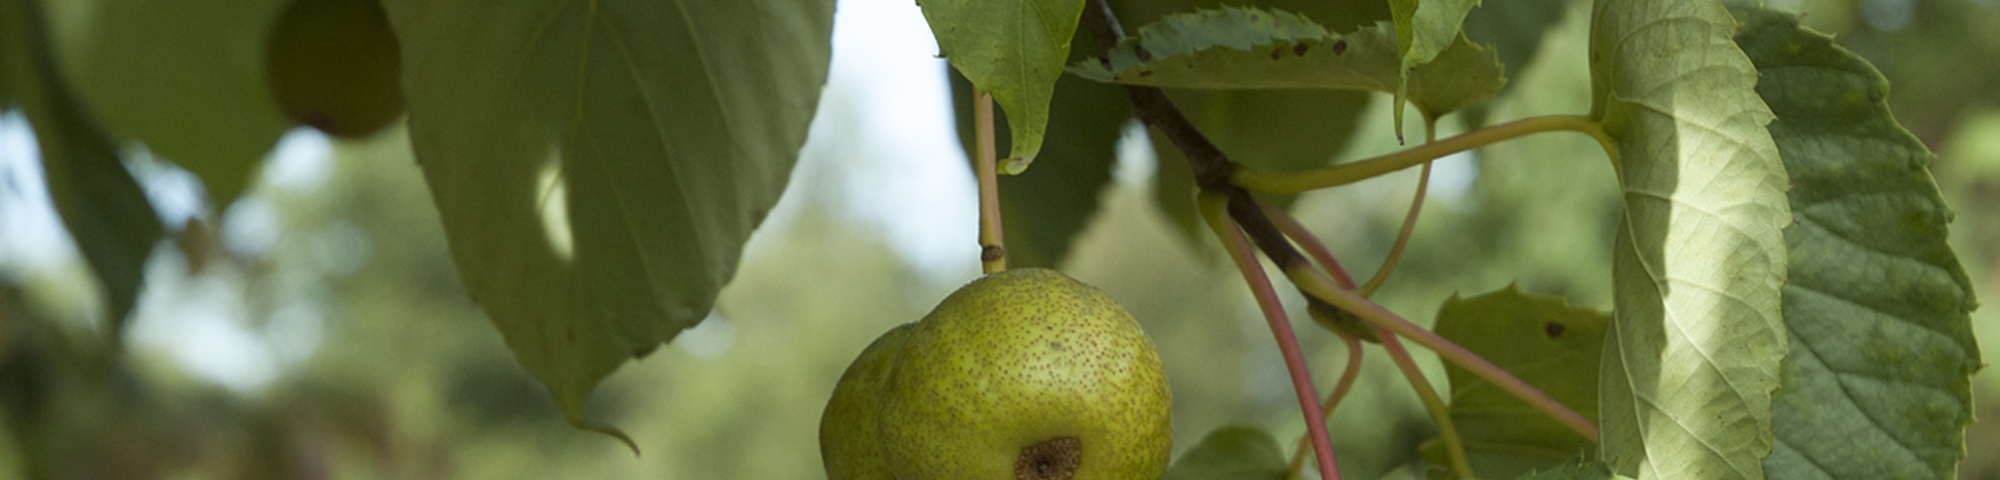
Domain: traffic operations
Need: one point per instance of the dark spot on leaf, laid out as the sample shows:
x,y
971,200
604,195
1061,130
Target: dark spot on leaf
x,y
1144,56
1275,52
1253,18
1339,47
1145,73
1555,330
1299,49
1106,61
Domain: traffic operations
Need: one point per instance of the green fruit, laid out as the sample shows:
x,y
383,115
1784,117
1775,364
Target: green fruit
x,y
848,443
1027,374
333,64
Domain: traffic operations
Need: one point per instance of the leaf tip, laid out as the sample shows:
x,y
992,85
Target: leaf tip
x,y
1015,165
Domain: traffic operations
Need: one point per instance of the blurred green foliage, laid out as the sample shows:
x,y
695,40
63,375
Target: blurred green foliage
x,y
408,379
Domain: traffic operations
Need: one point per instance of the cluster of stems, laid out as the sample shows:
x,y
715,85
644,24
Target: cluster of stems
x,y
1246,226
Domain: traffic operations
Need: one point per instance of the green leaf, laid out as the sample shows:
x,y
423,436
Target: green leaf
x,y
101,205
1232,452
1047,207
668,129
1877,304
1423,30
184,77
1013,50
1247,48
1574,470
1698,262
1543,341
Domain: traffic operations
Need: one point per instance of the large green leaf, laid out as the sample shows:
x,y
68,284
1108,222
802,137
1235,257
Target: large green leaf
x,y
1014,50
667,128
1699,258
1047,207
1233,452
1876,306
107,214
1543,341
1248,48
185,77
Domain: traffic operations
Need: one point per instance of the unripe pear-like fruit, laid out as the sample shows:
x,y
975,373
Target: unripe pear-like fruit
x,y
334,65
849,445
1027,374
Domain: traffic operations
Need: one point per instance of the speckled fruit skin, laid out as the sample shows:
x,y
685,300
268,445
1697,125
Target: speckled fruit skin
x,y
1017,358
849,445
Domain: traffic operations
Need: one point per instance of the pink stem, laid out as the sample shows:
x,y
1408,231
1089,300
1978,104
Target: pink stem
x,y
1281,326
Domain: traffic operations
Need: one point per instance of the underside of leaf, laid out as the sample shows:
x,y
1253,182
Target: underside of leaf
x,y
1249,48
1699,258
1877,304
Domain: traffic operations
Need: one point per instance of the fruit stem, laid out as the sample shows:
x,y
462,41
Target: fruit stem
x,y
1409,220
1317,285
992,246
1454,447
1214,209
1365,169
1347,377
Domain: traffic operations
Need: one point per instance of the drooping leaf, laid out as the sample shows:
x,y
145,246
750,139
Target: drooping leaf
x,y
1699,258
1543,341
1013,50
1424,28
1048,206
1248,48
668,130
186,78
102,206
1876,307
1233,452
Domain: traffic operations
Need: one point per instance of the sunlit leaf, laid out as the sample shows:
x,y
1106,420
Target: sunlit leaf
x,y
1543,341
107,214
1232,452
667,129
1247,48
1699,258
1876,305
1014,50
184,77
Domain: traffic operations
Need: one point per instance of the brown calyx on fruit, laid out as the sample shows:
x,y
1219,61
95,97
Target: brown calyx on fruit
x,y
1052,459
